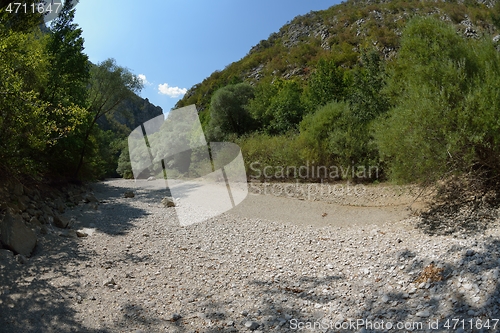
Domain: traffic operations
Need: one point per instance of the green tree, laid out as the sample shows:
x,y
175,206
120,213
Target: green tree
x,y
316,129
286,108
351,139
110,85
326,84
124,167
23,69
69,72
258,107
366,92
228,111
445,91
66,89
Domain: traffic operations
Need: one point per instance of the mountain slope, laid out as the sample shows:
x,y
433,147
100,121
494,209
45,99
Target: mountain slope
x,y
340,33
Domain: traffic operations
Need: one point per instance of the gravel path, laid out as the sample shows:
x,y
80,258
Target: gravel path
x,y
275,264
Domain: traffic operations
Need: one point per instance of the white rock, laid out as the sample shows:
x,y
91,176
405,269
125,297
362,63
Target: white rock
x,y
423,314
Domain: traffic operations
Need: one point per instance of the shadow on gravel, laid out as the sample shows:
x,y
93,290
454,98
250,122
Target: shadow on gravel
x,y
468,217
465,307
154,195
112,217
32,303
462,206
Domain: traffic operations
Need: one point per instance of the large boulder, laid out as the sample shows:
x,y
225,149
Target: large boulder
x,y
16,236
61,221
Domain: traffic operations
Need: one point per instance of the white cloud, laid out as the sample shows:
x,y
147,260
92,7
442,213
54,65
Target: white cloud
x,y
143,79
172,92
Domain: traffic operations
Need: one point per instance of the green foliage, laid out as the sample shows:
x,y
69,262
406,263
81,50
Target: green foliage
x,y
366,95
274,151
316,129
260,106
326,84
110,85
29,125
66,89
445,117
69,72
20,22
124,167
228,112
286,108
278,106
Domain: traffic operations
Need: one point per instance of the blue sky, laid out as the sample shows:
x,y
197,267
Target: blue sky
x,y
175,44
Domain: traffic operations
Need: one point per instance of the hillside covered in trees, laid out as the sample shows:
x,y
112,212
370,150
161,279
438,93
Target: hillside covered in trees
x,y
406,89
409,88
62,117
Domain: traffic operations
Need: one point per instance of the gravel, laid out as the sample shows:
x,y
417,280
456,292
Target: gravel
x,y
139,271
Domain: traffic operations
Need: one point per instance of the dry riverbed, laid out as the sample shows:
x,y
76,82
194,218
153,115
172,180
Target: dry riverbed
x,y
281,261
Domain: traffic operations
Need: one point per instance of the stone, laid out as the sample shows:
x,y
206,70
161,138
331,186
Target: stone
x,y
21,259
21,205
174,317
77,198
109,282
61,221
81,233
151,179
16,236
44,230
35,222
60,205
6,254
422,314
252,325
90,198
168,202
128,194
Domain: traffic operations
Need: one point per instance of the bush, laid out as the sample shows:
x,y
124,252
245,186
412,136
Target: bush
x,y
261,150
445,118
228,112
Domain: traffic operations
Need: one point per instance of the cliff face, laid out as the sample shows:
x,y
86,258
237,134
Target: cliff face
x,y
141,109
340,33
131,113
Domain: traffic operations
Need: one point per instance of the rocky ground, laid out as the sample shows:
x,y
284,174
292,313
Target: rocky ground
x,y
137,270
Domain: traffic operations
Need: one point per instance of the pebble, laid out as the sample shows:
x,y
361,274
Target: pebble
x,y
252,325
423,314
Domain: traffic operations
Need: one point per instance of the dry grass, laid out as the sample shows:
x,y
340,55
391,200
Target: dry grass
x,y
430,273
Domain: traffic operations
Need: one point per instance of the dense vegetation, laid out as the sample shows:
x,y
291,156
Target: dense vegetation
x,y
52,98
407,88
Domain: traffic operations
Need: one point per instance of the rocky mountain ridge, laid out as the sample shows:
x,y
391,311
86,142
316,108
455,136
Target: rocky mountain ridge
x,y
132,112
341,32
